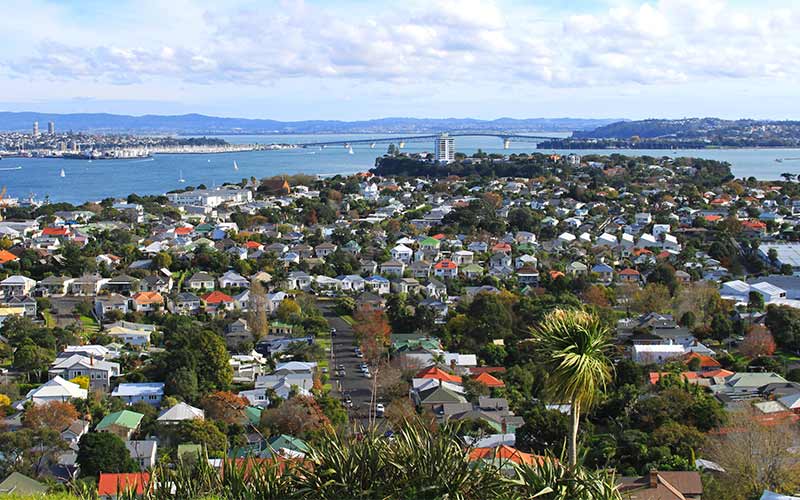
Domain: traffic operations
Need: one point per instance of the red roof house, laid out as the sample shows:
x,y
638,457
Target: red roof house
x,y
113,485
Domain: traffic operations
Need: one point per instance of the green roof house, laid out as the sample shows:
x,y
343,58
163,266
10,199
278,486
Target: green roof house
x,y
430,243
122,423
288,442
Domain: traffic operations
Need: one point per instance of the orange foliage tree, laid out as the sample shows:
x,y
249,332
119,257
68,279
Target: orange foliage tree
x,y
54,415
758,342
225,406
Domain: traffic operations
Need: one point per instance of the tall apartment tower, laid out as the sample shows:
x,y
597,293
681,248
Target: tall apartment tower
x,y
51,128
444,149
36,129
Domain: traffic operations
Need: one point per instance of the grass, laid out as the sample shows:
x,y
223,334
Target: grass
x,y
348,319
49,320
90,326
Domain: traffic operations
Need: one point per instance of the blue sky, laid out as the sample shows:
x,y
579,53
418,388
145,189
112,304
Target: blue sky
x,y
359,59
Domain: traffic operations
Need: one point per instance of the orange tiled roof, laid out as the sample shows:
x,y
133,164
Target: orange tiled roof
x,y
148,298
184,230
6,256
713,218
489,381
113,484
505,452
217,297
55,231
437,373
629,272
705,361
556,274
445,264
252,244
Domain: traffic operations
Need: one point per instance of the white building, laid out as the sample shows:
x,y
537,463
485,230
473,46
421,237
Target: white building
x,y
444,149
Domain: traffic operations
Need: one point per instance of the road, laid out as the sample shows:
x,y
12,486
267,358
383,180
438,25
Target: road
x,y
353,384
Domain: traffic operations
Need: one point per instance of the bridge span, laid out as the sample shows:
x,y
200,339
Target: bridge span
x,y
402,140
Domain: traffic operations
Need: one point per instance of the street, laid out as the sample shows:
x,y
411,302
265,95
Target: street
x,y
354,383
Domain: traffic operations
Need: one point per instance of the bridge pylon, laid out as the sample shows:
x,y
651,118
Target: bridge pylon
x,y
402,144
506,142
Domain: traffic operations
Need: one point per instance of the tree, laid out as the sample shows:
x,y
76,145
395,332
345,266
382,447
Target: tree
x,y
82,380
30,358
54,415
225,406
574,346
784,323
201,351
182,382
543,431
203,432
755,301
103,452
758,342
257,310
654,297
746,477
299,416
287,310
664,274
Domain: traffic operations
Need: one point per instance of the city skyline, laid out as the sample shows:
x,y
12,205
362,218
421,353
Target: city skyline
x,y
358,60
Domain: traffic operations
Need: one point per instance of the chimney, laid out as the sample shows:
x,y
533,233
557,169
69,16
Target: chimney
x,y
653,479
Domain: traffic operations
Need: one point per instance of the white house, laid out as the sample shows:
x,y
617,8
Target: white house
x,y
401,253
149,392
656,353
55,389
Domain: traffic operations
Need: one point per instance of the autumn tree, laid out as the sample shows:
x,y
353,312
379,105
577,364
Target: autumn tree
x,y
53,415
299,416
758,342
596,296
225,406
374,335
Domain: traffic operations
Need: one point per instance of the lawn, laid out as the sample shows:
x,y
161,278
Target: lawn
x,y
90,326
348,319
49,320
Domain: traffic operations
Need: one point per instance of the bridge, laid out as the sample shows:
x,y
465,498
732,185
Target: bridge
x,y
402,140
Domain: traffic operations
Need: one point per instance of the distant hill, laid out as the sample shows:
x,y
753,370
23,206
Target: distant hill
x,y
201,124
689,128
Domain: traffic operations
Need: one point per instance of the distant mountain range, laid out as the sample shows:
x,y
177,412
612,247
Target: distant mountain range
x,y
195,124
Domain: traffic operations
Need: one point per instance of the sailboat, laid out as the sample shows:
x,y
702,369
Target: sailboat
x,y
235,166
180,177
62,174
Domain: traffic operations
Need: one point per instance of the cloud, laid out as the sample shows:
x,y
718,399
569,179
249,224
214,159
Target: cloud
x,y
441,41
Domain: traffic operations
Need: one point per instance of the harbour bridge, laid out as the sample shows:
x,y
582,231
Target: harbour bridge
x,y
402,140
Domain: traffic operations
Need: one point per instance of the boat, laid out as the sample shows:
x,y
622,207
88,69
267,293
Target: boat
x,y
235,166
778,160
62,174
350,149
180,177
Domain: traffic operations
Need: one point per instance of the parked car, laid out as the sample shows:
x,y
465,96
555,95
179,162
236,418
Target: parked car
x,y
379,410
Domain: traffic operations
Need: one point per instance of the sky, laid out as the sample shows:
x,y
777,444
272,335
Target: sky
x,y
362,59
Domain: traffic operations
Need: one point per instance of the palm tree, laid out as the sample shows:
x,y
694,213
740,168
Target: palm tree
x,y
438,359
574,345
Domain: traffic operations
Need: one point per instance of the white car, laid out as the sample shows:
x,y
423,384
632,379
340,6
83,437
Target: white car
x,y
379,409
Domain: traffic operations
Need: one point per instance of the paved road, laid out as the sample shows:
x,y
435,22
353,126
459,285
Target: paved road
x,y
353,384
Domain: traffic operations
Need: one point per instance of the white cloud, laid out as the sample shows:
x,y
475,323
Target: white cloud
x,y
647,42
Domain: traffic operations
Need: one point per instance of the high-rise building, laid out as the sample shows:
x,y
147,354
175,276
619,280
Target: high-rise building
x,y
51,128
36,129
445,149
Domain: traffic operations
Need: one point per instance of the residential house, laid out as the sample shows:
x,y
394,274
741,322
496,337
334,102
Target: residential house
x,y
186,303
17,286
147,301
98,371
181,412
55,389
120,423
200,281
217,302
393,268
143,452
104,304
445,269
149,392
232,279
